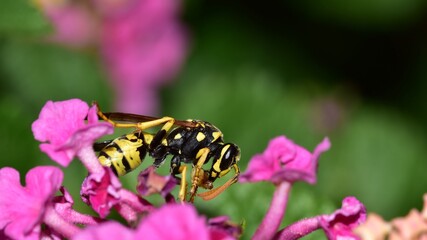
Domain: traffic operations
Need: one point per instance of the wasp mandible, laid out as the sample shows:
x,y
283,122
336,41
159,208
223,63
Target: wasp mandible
x,y
190,142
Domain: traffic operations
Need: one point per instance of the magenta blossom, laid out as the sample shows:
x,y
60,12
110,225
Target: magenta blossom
x,y
101,191
338,225
171,221
64,207
192,226
283,160
222,228
73,24
143,45
282,163
170,217
149,182
107,230
62,128
24,209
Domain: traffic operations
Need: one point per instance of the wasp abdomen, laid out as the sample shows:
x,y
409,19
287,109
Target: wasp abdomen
x,y
123,154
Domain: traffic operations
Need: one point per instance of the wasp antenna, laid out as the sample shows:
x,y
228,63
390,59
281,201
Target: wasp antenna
x,y
95,103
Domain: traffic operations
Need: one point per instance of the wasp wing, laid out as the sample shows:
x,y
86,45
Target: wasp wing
x,y
98,146
129,117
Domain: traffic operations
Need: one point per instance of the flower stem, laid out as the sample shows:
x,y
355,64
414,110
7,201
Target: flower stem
x,y
273,218
127,213
80,218
89,160
131,206
60,225
135,202
298,229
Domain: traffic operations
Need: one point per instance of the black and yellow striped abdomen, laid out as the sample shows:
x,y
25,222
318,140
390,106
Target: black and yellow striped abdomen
x,y
124,153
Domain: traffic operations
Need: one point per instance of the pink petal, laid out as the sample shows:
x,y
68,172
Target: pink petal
x,y
149,182
411,226
101,191
304,166
284,161
108,230
281,149
86,136
44,181
143,47
341,223
58,120
324,146
171,217
374,228
62,129
73,24
260,168
22,208
222,228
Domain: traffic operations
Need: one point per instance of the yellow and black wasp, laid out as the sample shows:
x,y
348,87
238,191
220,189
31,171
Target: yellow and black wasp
x,y
190,141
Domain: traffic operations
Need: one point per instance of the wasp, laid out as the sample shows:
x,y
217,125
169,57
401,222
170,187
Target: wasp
x,y
192,142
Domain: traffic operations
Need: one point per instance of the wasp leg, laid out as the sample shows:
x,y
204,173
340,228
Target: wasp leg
x,y
198,174
167,121
176,169
211,194
183,188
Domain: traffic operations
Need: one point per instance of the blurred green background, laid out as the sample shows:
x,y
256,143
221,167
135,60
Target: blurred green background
x,y
351,70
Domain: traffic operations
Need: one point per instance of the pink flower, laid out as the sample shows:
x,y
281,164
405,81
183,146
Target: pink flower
x,y
340,224
101,191
173,221
282,163
413,226
62,129
143,46
64,207
23,209
375,228
222,228
108,230
73,24
141,42
284,160
149,182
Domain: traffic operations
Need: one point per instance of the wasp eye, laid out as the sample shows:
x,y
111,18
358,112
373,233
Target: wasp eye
x,y
230,156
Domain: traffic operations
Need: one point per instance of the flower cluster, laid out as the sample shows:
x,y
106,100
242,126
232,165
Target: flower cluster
x,y
68,130
141,42
413,226
283,163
